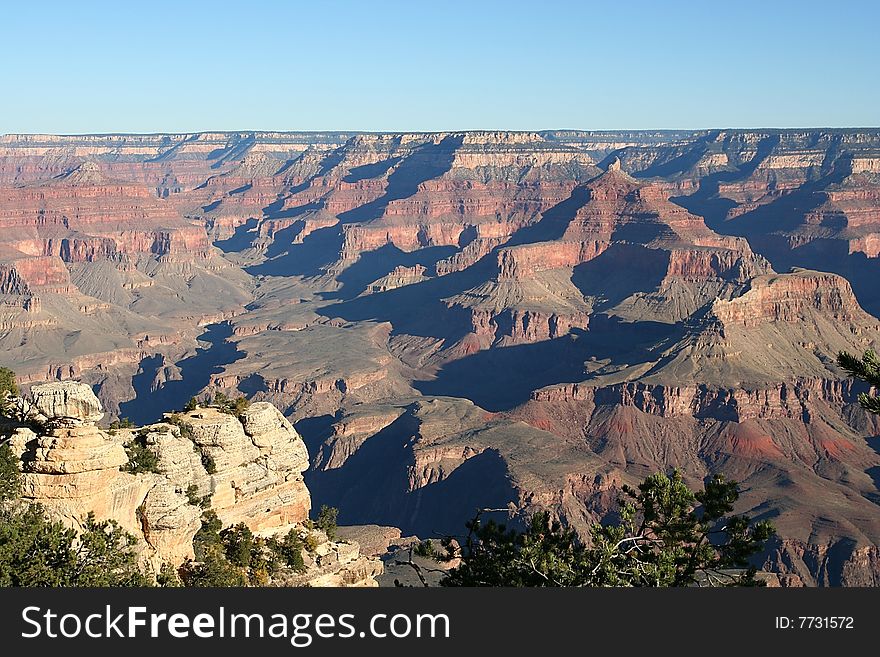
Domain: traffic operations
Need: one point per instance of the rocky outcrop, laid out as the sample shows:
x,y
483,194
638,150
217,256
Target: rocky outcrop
x,y
835,563
399,277
75,471
336,563
255,464
67,402
520,326
792,298
248,469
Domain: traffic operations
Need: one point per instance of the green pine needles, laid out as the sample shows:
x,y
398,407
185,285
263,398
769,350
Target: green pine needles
x,y
666,535
866,369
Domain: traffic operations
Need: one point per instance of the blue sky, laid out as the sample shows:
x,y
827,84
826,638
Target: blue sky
x,y
73,67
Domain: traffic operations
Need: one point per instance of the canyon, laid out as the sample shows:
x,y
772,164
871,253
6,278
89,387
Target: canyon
x,y
463,320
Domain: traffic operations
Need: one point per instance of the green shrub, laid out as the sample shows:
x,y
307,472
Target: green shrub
x,y
10,477
39,552
289,550
214,570
168,577
8,388
208,462
230,406
229,557
192,495
208,536
239,544
426,550
312,543
326,520
140,457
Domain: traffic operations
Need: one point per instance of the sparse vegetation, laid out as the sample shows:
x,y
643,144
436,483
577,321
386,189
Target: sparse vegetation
x,y
191,405
187,433
208,462
289,550
168,577
121,423
140,457
185,429
867,369
228,405
426,550
666,535
192,495
234,556
8,388
326,520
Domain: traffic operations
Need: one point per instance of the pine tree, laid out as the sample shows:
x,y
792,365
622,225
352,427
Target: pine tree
x,y
8,387
868,370
666,535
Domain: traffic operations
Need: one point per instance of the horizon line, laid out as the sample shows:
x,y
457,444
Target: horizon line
x,y
434,132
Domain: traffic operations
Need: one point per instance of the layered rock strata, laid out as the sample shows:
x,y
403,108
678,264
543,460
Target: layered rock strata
x,y
248,469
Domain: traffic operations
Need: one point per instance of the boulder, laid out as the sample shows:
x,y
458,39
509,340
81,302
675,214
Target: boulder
x,y
67,402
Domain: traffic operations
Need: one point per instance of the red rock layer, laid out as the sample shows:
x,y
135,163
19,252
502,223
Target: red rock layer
x,y
786,400
792,298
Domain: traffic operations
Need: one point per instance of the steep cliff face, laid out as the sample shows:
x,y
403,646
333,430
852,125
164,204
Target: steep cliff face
x,y
792,298
84,201
257,462
84,249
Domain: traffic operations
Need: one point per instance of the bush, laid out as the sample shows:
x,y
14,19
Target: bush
x,y
230,406
214,570
191,405
10,477
121,423
312,543
235,556
140,457
8,388
192,495
208,462
326,520
168,577
35,551
426,550
289,550
208,536
240,545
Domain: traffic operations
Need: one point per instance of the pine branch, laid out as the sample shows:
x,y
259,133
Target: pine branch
x,y
866,369
870,404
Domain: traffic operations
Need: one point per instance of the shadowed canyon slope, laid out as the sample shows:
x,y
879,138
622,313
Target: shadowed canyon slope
x,y
478,319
